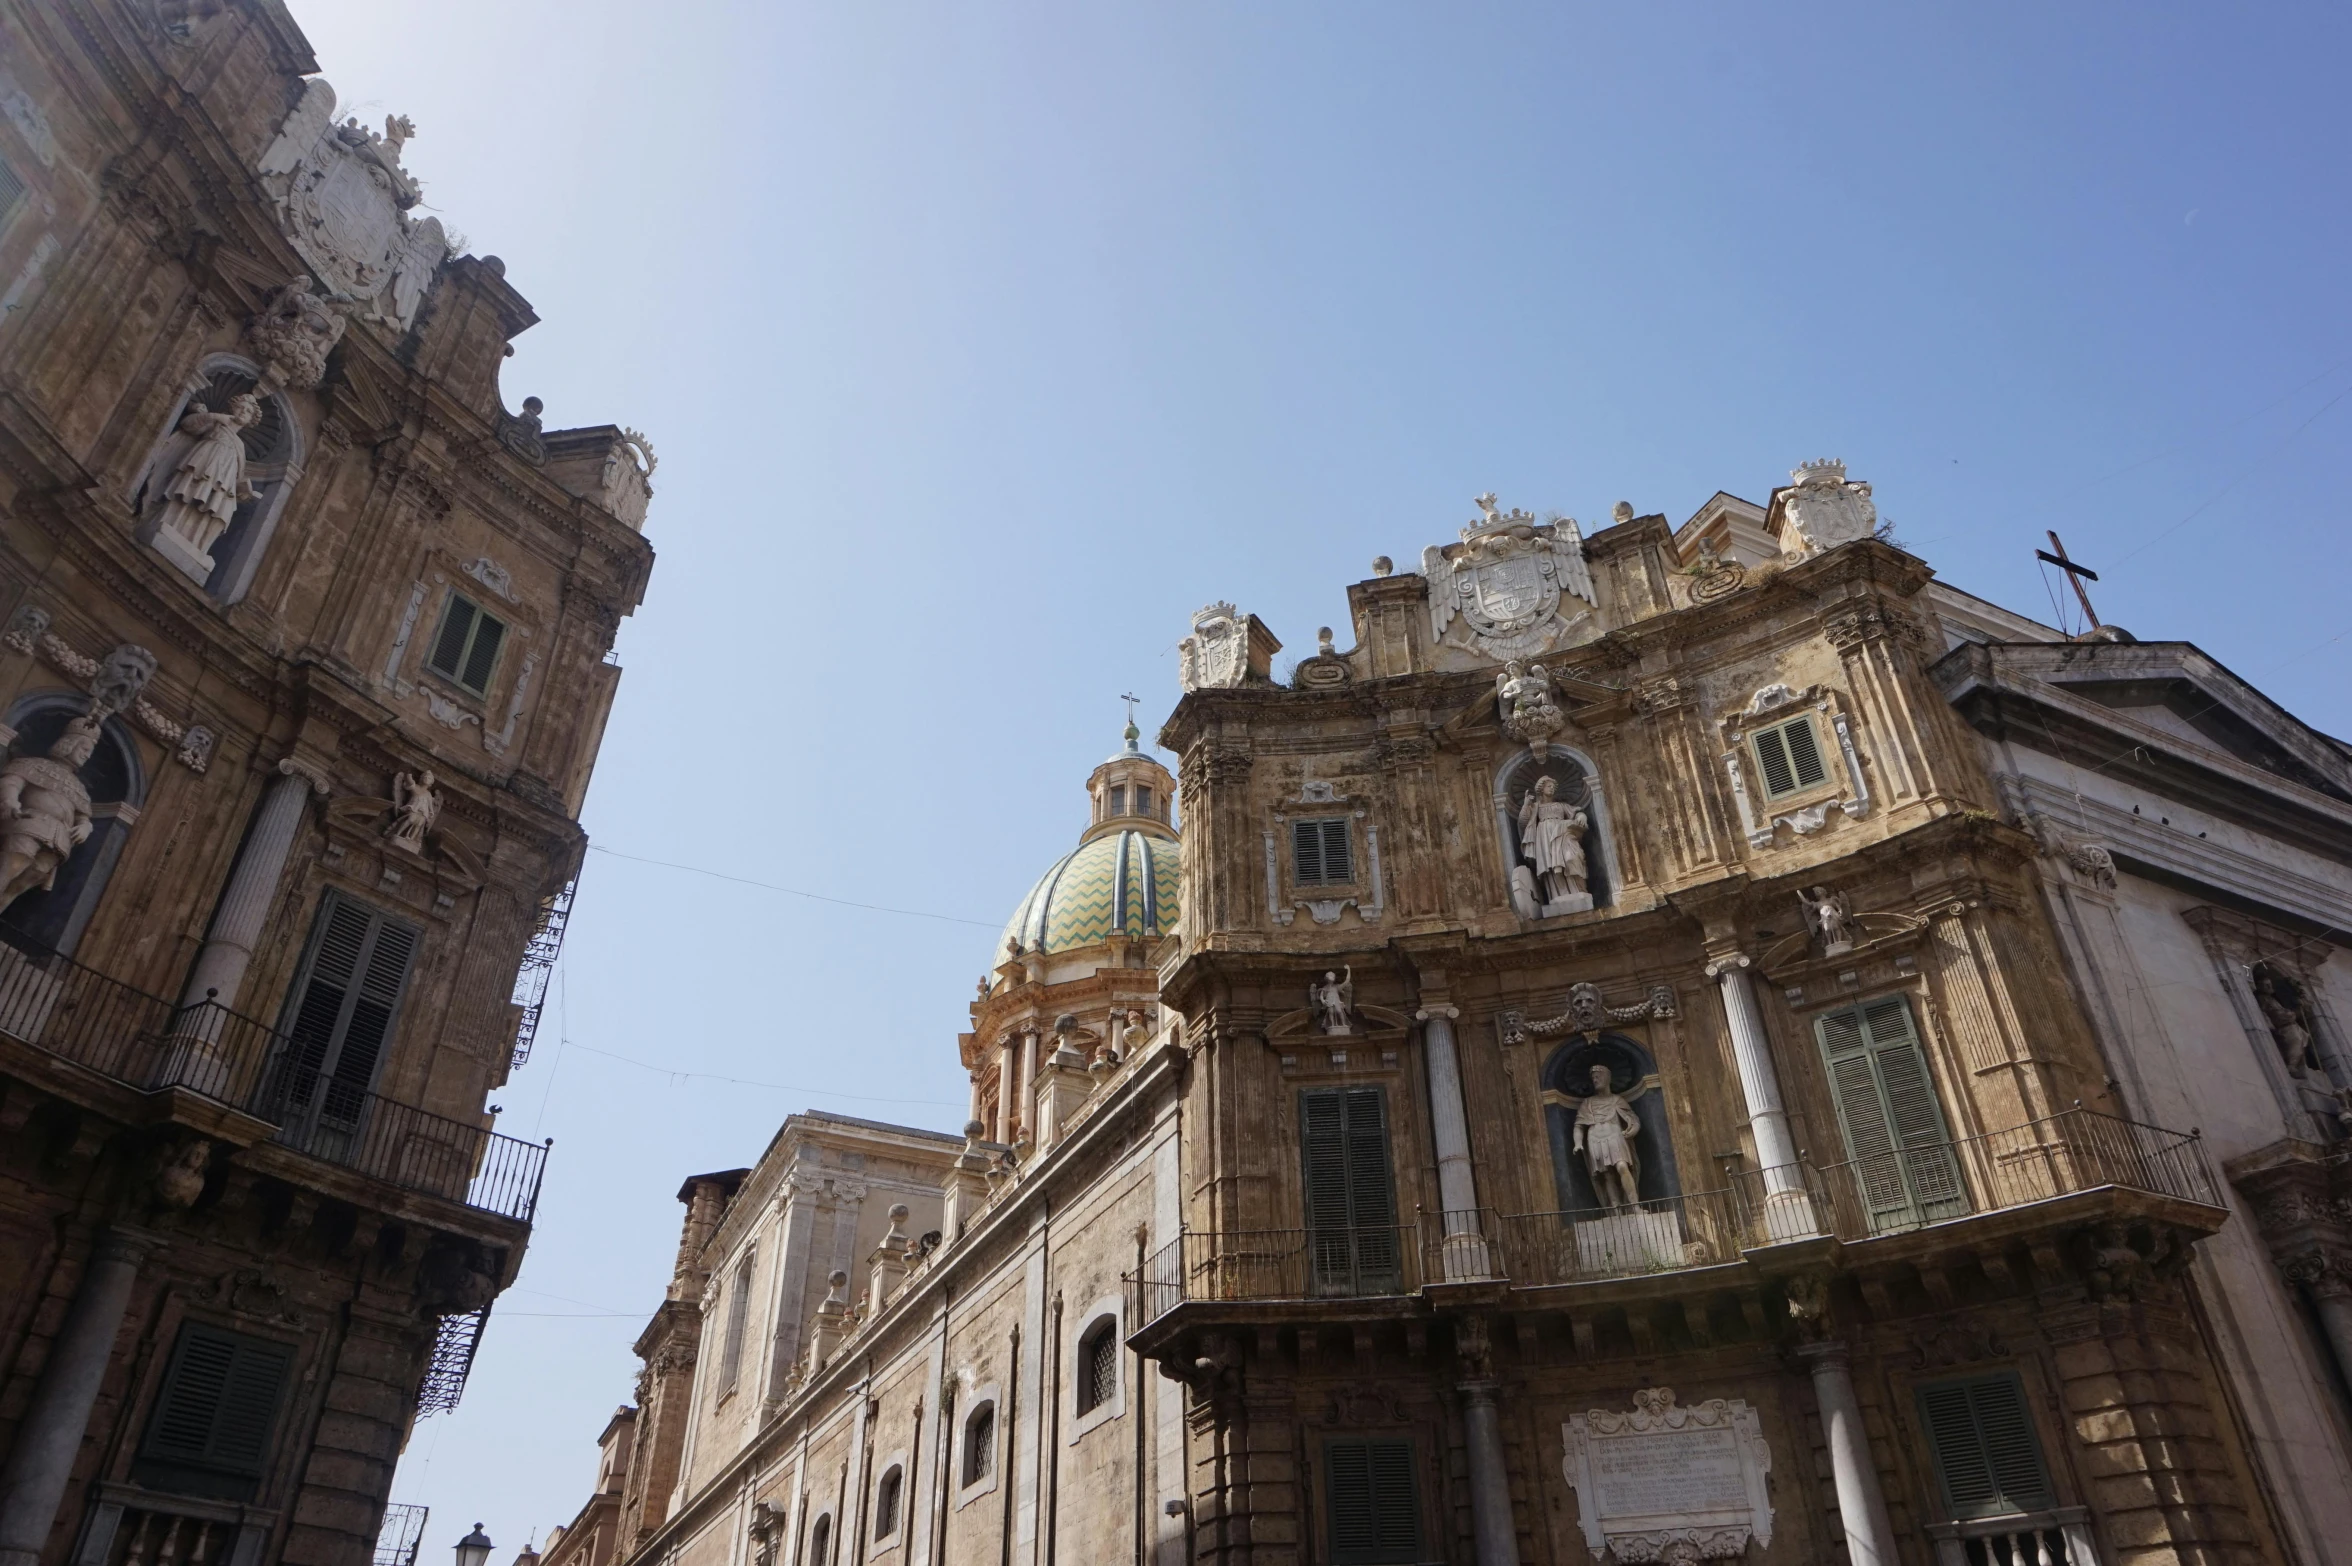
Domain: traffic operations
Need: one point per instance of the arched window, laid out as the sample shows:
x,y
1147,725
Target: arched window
x,y
273,461
56,918
821,1542
980,1443
1098,1365
886,1503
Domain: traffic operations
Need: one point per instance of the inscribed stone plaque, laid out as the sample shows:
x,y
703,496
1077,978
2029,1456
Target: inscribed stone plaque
x,y
1668,1483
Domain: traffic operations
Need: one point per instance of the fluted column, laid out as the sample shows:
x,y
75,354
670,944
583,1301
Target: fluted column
x,y
252,889
1788,1212
1870,1538
34,1479
1494,1531
1465,1248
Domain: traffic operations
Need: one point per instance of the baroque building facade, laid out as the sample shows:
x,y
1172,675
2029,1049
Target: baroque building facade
x,y
303,671
1688,1043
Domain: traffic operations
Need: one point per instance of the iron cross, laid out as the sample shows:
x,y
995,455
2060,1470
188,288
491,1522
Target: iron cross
x,y
2075,575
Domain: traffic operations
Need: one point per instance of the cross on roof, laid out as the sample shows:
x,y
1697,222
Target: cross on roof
x,y
2075,575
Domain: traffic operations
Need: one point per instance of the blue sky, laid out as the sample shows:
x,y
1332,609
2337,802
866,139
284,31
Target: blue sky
x,y
982,344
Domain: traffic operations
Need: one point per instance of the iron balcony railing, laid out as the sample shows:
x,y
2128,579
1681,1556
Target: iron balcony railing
x,y
55,1004
397,1538
2075,1151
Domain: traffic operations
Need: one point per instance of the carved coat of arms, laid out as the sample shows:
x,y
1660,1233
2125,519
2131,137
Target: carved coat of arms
x,y
344,200
1512,582
1217,652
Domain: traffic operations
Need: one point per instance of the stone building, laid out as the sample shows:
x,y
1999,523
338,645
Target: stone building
x,y
1649,1055
303,670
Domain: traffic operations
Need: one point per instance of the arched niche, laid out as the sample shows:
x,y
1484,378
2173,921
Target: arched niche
x,y
1576,780
1633,1076
117,781
273,462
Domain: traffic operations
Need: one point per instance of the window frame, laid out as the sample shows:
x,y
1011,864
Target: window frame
x,y
203,1474
1778,730
1931,1428
455,675
1321,825
1375,1555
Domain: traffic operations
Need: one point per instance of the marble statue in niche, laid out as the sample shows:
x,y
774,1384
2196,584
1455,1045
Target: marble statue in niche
x,y
45,810
1551,837
208,483
2281,1000
1606,1127
1334,1002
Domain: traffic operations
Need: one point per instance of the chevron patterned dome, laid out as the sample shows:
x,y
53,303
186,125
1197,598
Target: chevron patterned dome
x,y
1120,883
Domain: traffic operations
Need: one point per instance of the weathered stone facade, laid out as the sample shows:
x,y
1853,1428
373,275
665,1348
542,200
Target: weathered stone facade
x,y
1613,1086
329,625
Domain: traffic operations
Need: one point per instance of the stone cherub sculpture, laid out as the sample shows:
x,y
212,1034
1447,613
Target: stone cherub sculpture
x,y
1605,1128
44,810
1829,917
1551,835
208,483
1334,1001
415,807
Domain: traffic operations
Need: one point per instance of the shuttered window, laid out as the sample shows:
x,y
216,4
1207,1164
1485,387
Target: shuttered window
x,y
465,649
738,1307
209,1432
1098,1366
1319,853
1374,1505
1788,757
1903,1170
1987,1458
344,1007
1350,1196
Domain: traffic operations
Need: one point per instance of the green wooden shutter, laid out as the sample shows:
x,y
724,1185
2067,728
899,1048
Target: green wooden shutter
x,y
1350,1194
1904,1171
1987,1458
346,1005
1374,1504
209,1432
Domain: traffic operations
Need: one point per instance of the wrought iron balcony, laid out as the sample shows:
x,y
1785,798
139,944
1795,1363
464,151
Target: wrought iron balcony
x,y
57,1005
1914,1188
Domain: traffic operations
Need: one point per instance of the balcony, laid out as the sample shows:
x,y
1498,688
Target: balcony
x,y
2018,1172
72,1013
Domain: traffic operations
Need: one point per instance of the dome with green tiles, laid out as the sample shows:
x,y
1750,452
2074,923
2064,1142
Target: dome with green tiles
x,y
1120,879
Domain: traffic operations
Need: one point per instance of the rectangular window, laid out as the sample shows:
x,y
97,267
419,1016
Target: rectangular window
x,y
1988,1460
738,1307
209,1432
1375,1505
1319,853
343,1007
465,649
1352,1241
1902,1166
1788,757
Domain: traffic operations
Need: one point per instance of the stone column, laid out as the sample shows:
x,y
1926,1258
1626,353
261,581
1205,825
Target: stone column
x,y
1464,1243
1492,1526
1788,1212
1870,1538
33,1482
253,887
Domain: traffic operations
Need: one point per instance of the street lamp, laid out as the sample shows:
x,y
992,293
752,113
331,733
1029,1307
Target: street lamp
x,y
474,1548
